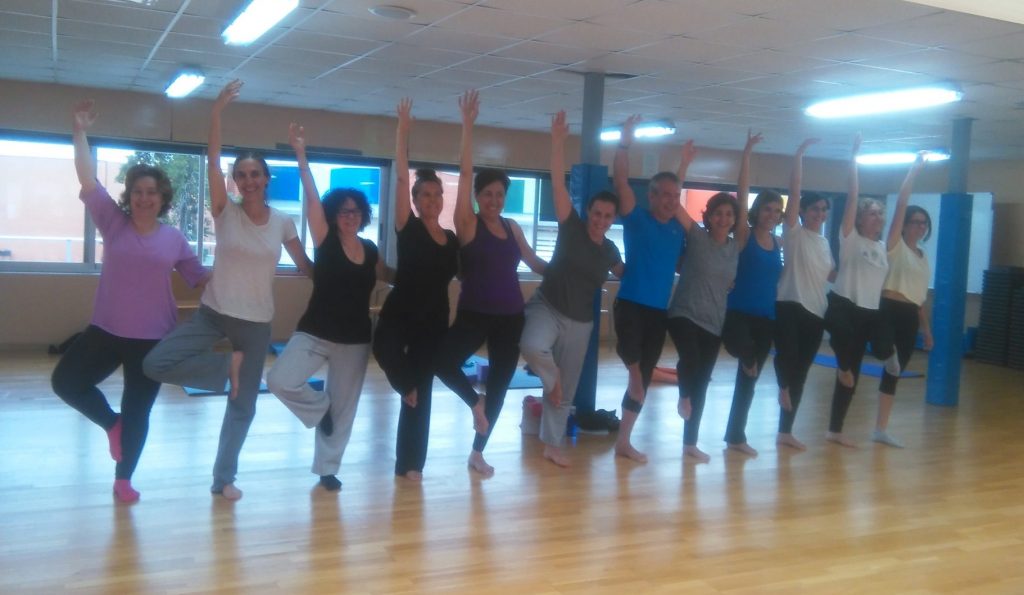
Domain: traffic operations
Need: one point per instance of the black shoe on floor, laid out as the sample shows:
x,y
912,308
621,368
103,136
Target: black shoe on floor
x,y
330,483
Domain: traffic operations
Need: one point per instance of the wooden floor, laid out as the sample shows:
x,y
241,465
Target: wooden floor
x,y
944,515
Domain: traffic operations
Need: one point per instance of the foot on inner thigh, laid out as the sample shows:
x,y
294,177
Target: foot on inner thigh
x,y
840,439
230,492
692,451
683,408
790,440
784,401
751,370
480,423
556,455
124,491
114,438
626,451
743,447
555,395
845,377
234,371
477,463
410,398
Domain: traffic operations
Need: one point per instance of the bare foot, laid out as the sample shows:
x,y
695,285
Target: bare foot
x,y
477,463
555,396
840,439
233,372
627,451
790,440
230,492
413,476
683,408
410,398
750,371
845,377
744,448
784,401
696,453
480,423
556,456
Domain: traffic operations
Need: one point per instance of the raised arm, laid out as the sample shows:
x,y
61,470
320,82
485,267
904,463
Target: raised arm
x,y
403,208
559,132
465,220
218,189
743,191
896,227
620,167
687,156
310,196
796,178
853,194
83,117
536,263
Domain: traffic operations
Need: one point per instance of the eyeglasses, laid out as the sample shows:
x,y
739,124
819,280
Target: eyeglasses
x,y
349,213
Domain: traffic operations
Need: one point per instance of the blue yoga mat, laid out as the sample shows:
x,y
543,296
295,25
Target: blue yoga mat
x,y
316,383
865,369
521,379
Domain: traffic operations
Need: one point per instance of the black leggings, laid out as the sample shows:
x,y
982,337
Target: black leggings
x,y
470,331
640,332
798,336
90,359
748,338
698,352
902,318
851,328
405,346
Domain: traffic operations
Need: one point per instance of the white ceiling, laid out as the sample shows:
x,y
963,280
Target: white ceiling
x,y
715,67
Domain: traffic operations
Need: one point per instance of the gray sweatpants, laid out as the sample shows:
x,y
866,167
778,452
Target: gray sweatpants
x,y
185,357
346,368
554,346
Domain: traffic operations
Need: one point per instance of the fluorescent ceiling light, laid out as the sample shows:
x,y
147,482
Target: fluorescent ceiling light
x,y
183,84
256,19
879,103
898,158
643,130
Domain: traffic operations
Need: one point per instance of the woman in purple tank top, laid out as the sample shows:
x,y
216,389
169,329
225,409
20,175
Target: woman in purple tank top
x,y
490,303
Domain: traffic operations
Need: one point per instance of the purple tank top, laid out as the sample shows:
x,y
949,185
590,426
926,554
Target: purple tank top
x,y
490,283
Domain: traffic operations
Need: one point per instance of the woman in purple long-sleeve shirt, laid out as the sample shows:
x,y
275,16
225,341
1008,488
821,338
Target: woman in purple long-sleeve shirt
x,y
134,305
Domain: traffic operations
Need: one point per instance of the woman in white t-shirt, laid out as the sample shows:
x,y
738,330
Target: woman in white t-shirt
x,y
801,301
852,318
903,307
238,302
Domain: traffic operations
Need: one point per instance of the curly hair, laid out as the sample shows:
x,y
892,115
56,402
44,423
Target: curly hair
x,y
334,199
163,186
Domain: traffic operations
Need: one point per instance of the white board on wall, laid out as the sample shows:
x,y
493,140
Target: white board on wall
x,y
981,234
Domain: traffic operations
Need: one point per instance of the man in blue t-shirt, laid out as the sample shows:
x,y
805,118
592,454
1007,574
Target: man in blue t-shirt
x,y
654,241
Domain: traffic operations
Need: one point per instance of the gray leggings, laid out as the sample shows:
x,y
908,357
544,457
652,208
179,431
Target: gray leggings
x,y
185,357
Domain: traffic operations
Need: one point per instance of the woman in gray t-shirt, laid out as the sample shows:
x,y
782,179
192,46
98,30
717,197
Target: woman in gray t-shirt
x,y
560,316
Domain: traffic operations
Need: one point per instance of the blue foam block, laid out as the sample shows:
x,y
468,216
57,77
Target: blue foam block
x,y
315,383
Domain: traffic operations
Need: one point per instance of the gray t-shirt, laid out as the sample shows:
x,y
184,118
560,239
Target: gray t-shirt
x,y
704,283
578,268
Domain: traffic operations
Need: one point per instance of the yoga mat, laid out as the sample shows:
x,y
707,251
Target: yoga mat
x,y
520,379
316,383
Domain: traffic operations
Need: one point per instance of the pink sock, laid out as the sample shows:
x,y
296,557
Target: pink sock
x,y
114,437
124,491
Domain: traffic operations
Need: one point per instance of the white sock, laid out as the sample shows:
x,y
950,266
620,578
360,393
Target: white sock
x,y
882,437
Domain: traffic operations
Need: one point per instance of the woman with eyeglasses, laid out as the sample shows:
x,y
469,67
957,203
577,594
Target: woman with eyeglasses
x,y
335,328
852,317
238,302
801,305
904,305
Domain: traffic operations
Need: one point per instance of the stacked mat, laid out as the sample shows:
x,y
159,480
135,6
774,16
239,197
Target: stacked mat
x,y
1002,316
